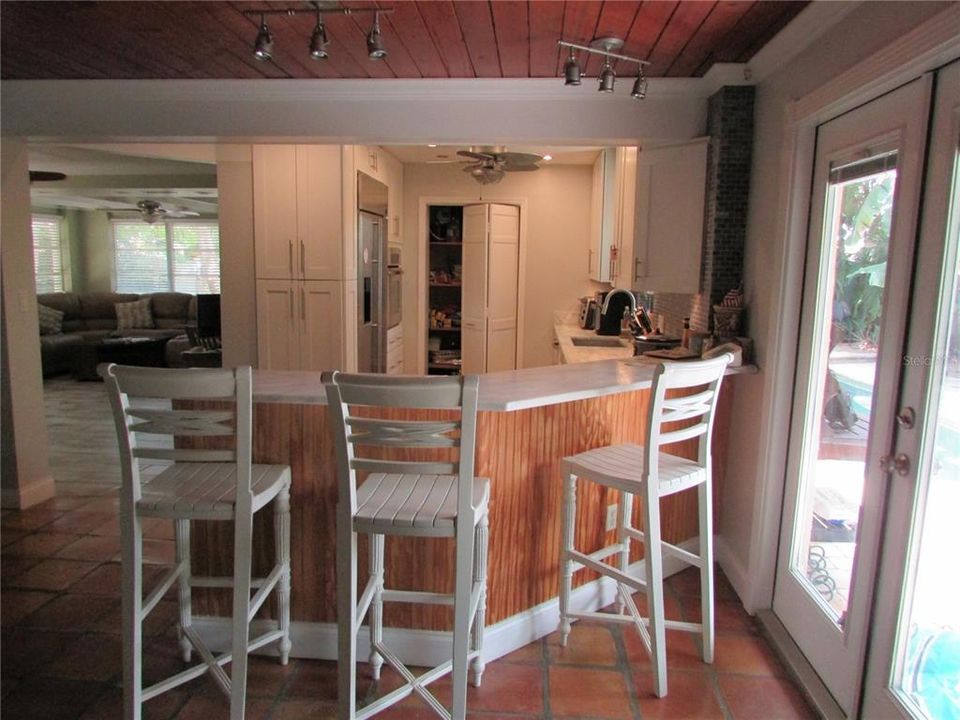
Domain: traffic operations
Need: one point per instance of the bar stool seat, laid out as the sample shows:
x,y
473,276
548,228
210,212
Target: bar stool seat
x,y
650,474
422,505
208,491
622,467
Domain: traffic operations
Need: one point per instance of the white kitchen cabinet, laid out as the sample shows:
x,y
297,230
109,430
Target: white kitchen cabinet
x,y
299,324
395,350
370,159
394,173
621,251
668,233
491,244
298,212
602,215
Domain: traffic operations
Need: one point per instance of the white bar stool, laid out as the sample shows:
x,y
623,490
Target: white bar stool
x,y
200,484
430,496
645,471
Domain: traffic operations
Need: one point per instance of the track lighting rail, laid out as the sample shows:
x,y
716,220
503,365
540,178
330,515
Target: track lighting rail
x,y
291,11
605,53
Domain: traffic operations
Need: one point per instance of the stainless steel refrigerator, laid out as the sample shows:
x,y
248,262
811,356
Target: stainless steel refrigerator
x,y
371,264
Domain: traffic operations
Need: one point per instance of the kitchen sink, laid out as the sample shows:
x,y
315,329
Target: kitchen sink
x,y
607,342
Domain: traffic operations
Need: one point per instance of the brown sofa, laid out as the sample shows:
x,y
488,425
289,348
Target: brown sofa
x,y
89,318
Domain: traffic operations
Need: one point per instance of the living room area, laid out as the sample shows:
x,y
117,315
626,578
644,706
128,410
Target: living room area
x,y
127,256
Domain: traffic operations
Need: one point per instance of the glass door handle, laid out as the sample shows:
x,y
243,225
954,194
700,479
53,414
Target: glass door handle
x,y
899,464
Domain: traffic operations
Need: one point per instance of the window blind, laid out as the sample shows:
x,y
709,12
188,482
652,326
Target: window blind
x,y
140,252
195,251
47,254
183,256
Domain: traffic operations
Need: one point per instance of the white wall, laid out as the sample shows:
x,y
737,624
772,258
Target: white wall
x,y
557,233
25,474
867,29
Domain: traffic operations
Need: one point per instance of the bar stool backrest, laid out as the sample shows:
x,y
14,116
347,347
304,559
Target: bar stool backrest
x,y
233,426
349,393
699,406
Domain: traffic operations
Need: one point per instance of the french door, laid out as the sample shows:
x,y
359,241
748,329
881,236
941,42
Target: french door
x,y
864,209
913,668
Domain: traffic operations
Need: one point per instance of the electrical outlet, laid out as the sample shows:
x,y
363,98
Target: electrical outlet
x,y
612,516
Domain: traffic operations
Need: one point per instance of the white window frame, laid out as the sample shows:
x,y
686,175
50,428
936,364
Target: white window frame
x,y
168,226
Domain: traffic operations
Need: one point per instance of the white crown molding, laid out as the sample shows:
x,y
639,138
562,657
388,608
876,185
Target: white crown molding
x,y
809,24
353,90
927,46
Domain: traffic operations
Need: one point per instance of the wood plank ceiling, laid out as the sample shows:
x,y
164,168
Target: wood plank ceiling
x,y
425,39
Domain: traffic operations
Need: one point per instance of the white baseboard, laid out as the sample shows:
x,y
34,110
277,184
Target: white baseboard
x,y
427,648
20,498
734,570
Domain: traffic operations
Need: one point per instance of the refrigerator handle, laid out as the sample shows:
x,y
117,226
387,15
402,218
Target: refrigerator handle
x,y
303,304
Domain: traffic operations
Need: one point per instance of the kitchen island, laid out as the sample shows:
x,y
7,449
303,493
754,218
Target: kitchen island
x,y
529,419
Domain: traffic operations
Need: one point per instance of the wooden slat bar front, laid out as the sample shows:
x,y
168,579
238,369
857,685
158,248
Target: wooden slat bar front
x,y
519,451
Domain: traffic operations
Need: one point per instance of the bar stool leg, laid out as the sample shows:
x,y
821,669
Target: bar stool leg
x,y
624,513
376,604
704,501
480,540
569,513
132,601
281,541
182,534
654,564
461,621
243,544
346,620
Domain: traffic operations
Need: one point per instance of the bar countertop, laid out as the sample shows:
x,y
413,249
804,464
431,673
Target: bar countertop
x,y
501,391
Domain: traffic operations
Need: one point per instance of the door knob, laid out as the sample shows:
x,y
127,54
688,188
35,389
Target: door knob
x,y
899,464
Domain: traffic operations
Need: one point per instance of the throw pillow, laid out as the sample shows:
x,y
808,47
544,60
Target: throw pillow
x,y
51,320
135,314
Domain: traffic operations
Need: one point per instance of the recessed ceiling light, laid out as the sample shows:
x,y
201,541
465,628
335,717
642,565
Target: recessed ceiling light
x,y
548,157
431,144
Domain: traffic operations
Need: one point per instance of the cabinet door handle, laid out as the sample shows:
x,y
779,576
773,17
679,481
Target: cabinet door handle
x,y
303,259
290,293
290,256
303,304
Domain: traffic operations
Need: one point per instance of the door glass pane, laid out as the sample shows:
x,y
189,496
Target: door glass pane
x,y
927,667
852,268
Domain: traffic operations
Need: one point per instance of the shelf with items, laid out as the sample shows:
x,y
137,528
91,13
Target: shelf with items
x,y
445,287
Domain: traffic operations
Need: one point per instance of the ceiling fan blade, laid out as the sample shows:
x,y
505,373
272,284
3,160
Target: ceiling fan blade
x,y
46,176
516,158
519,168
475,155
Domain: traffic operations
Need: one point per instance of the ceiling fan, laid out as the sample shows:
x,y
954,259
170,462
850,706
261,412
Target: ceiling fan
x,y
489,165
151,211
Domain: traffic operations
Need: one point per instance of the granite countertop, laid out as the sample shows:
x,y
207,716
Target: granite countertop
x,y
499,392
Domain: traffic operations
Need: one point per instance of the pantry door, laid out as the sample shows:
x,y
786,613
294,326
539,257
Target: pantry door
x,y
913,667
860,247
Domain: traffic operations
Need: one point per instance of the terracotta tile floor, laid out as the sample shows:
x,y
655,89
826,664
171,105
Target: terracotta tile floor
x,y
61,648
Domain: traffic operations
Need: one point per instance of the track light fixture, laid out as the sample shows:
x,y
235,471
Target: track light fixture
x,y
607,77
375,49
606,47
571,70
319,42
263,45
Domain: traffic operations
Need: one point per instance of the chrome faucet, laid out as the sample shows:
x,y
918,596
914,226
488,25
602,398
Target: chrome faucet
x,y
616,291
